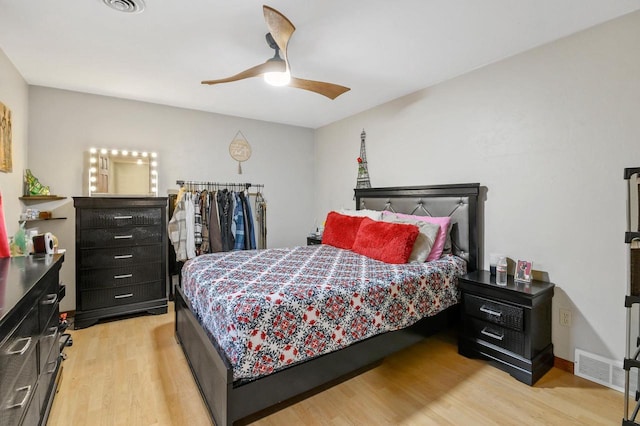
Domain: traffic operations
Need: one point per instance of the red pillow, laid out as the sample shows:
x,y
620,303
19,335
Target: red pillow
x,y
385,241
340,230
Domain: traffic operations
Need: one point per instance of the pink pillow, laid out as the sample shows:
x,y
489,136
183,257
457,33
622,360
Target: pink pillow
x,y
340,230
441,238
385,241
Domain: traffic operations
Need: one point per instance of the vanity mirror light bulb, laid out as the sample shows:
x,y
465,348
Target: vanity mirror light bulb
x,y
134,153
154,189
154,155
92,170
153,180
93,188
93,160
154,164
103,151
125,152
93,179
153,172
114,152
145,154
93,150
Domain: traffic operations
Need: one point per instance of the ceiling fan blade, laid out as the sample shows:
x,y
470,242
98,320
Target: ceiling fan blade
x,y
329,90
269,66
279,26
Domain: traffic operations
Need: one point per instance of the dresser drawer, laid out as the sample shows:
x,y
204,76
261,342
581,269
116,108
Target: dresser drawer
x,y
49,337
48,303
120,217
123,256
493,311
50,366
16,396
511,340
120,237
16,351
120,276
105,298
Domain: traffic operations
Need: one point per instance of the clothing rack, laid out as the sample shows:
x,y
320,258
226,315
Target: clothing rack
x,y
211,186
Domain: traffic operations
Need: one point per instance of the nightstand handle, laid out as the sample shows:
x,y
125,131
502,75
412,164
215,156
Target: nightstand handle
x,y
490,334
490,312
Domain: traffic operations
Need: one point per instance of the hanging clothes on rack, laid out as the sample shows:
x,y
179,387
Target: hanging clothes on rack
x,y
211,217
261,219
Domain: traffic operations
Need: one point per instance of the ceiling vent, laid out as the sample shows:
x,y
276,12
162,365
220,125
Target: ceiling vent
x,y
126,6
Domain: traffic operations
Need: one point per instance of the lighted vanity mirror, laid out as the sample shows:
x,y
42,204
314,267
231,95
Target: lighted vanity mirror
x,y
121,172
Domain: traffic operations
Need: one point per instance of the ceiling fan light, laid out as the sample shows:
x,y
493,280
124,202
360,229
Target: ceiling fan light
x,y
278,78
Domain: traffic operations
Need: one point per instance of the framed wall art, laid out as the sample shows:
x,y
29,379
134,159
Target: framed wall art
x,y
6,163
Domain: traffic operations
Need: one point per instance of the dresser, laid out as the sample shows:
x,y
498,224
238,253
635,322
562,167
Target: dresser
x,y
30,346
121,257
510,326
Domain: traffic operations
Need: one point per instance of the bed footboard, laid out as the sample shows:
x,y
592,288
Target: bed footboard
x,y
213,377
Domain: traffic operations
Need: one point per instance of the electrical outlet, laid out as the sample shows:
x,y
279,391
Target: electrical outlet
x,y
565,317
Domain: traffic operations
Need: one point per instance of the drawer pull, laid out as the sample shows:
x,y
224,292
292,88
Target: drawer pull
x,y
119,277
122,217
122,237
55,365
490,312
123,256
123,296
24,400
50,299
492,335
13,351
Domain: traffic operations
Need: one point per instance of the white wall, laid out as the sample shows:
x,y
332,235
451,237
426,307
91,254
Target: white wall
x,y
14,94
191,145
548,132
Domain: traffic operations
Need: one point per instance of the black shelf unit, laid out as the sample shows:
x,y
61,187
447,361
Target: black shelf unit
x,y
632,354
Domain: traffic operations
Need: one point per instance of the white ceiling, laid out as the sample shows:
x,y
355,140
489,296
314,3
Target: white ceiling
x,y
381,49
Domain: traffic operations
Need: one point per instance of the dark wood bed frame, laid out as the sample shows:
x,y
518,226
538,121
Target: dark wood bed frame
x,y
229,401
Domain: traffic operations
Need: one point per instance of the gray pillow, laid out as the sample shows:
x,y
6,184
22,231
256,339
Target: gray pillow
x,y
424,240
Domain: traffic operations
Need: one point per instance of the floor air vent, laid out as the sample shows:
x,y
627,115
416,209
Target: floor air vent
x,y
605,371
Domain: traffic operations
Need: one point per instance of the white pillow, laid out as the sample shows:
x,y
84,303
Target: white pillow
x,y
371,214
424,241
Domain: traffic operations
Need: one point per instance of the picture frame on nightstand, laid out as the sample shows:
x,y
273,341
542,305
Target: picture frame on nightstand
x,y
523,271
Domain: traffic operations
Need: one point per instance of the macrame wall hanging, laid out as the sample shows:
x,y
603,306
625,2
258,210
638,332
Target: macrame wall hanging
x,y
240,150
363,172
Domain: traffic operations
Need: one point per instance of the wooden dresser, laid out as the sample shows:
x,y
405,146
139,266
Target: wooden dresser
x,y
30,347
121,266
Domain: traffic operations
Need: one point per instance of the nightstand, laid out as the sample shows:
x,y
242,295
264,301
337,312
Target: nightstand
x,y
510,326
314,240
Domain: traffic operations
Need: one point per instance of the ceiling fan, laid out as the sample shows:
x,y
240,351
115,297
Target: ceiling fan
x,y
276,71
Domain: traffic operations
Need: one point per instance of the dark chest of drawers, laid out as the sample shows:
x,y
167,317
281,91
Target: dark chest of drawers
x,y
510,326
30,361
121,266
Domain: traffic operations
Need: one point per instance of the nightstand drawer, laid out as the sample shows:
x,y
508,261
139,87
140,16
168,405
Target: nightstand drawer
x,y
493,311
506,338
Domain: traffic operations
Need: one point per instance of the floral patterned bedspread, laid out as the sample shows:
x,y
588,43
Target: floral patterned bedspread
x,y
268,309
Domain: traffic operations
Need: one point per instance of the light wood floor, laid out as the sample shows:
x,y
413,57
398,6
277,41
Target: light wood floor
x,y
132,372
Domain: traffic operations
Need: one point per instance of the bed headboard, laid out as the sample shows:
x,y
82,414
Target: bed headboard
x,y
459,201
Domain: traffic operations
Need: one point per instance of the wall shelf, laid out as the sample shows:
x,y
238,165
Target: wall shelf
x,y
41,198
42,220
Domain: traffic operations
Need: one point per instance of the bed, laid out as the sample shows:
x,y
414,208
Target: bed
x,y
232,393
